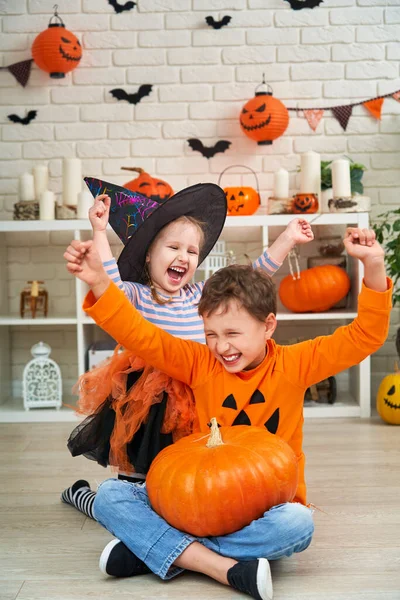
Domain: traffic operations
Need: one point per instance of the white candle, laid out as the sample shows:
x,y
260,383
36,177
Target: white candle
x,y
26,187
41,179
72,180
310,176
341,178
47,206
281,184
85,201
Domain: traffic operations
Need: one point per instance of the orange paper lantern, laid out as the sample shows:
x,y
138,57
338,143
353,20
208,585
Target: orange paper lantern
x,y
264,118
56,50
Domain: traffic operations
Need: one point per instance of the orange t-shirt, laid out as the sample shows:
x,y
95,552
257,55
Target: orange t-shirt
x,y
270,395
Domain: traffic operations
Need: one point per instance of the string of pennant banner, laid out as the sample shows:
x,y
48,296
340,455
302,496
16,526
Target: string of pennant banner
x,y
343,112
22,70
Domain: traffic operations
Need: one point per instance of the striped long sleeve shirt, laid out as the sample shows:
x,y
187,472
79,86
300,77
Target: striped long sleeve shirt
x,y
179,316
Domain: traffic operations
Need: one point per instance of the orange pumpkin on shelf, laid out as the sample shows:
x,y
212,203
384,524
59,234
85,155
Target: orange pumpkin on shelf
x,y
155,189
241,200
56,50
305,204
214,485
264,118
314,290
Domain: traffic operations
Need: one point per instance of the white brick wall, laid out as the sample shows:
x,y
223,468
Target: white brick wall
x,y
343,50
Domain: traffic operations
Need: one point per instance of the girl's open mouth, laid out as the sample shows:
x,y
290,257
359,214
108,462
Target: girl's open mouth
x,y
176,274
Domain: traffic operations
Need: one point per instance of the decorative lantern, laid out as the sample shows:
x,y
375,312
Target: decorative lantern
x,y
56,50
155,189
42,386
264,118
241,200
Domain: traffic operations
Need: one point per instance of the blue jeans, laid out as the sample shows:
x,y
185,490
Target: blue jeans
x,y
124,509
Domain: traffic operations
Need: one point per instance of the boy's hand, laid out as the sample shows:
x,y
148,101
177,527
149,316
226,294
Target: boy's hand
x,y
362,244
300,232
84,262
99,213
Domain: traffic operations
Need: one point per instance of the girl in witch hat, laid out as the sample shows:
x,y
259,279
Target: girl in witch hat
x,y
134,411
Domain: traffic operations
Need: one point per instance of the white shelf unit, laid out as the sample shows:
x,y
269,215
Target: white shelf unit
x,y
354,402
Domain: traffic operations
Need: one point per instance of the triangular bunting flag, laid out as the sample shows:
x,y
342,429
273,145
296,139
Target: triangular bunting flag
x,y
342,114
396,96
374,107
21,71
313,116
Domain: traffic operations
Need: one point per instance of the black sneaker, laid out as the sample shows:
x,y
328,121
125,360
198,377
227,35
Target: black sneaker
x,y
118,561
252,577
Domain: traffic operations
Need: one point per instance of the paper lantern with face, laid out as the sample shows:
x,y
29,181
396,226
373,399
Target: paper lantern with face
x,y
56,50
264,118
148,186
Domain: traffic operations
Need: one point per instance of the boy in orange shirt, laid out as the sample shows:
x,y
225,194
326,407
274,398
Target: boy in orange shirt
x,y
241,377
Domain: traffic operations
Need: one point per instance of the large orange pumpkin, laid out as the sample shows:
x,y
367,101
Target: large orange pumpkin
x,y
156,189
315,290
56,50
264,118
205,486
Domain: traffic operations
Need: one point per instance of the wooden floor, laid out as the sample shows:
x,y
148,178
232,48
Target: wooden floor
x,y
50,551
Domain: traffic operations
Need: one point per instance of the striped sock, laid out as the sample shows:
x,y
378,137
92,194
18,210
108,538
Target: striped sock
x,y
81,496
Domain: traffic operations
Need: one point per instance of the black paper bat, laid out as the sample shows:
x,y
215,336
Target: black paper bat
x,y
299,4
218,24
144,90
119,8
208,151
24,120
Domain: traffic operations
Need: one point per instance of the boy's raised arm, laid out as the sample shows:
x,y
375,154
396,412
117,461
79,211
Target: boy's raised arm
x,y
314,360
181,359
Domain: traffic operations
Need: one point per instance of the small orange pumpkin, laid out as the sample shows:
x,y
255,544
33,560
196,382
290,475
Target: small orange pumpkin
x,y
264,118
305,203
155,189
206,486
315,290
242,200
56,50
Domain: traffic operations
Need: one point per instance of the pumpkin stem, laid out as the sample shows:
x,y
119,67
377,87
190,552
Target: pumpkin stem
x,y
137,169
215,438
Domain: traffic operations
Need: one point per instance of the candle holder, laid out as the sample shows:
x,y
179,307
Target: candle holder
x,y
26,210
305,203
356,203
279,206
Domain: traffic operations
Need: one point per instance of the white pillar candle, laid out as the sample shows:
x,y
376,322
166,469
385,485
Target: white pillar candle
x,y
310,176
72,180
341,178
281,184
47,206
26,187
41,179
85,201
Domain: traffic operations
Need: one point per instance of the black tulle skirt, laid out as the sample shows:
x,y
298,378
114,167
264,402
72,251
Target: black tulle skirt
x,y
91,438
